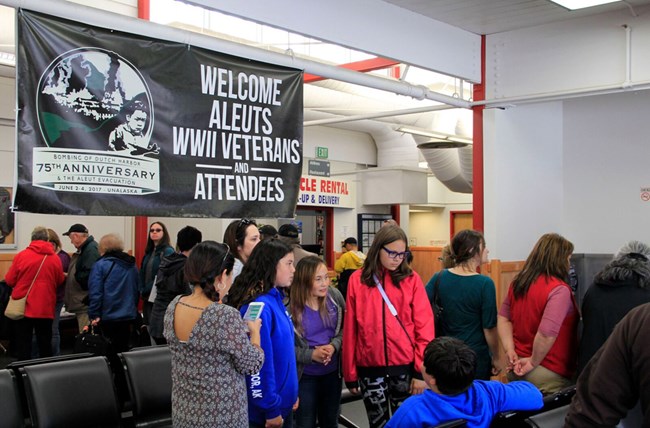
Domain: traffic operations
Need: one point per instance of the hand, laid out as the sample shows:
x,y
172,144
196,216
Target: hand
x,y
524,367
95,321
497,366
417,386
354,391
320,355
296,404
254,326
512,359
275,422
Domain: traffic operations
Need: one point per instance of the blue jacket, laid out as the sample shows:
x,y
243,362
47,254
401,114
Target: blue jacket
x,y
274,390
477,405
113,288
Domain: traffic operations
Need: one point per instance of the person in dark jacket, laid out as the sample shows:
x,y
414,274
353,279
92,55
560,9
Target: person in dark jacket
x,y
113,292
170,280
621,286
35,272
158,246
76,286
615,384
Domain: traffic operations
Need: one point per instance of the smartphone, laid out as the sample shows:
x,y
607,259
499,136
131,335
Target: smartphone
x,y
254,311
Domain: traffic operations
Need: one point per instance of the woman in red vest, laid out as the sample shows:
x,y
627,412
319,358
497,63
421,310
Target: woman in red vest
x,y
538,320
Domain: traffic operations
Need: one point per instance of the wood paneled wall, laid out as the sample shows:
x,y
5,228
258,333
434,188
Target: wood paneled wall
x,y
5,262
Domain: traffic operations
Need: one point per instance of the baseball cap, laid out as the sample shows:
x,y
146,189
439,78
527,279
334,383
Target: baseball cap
x,y
268,230
288,230
80,228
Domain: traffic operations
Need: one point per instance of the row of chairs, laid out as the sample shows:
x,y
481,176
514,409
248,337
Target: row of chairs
x,y
79,391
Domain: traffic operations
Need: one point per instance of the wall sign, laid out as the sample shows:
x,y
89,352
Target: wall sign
x,y
327,192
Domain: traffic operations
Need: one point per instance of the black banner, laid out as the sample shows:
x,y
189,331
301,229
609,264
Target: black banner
x,y
116,124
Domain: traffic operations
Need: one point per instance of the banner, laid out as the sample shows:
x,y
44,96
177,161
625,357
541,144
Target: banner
x,y
116,124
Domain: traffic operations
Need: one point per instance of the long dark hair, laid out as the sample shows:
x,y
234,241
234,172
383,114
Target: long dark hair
x,y
258,274
303,282
549,257
372,266
235,234
207,261
164,241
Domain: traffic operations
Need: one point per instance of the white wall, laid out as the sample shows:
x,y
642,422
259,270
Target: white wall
x,y
523,177
606,163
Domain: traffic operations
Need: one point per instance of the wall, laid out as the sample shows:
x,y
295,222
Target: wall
x,y
606,154
523,177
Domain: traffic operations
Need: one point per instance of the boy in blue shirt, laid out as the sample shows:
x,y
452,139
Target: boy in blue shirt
x,y
449,368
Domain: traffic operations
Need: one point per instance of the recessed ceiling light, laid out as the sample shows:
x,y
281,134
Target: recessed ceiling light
x,y
581,4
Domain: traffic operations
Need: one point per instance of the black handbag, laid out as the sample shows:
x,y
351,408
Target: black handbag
x,y
436,306
93,342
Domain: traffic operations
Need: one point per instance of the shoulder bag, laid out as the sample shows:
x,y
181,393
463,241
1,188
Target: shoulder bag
x,y
436,306
16,307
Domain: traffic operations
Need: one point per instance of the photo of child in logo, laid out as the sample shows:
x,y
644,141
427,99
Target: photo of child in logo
x,y
94,99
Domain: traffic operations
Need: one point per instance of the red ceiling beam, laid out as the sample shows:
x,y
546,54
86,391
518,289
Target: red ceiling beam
x,y
361,66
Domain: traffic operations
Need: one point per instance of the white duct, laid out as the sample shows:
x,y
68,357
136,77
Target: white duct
x,y
453,167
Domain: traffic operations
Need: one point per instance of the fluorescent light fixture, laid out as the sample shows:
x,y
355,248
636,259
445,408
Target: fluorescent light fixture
x,y
421,132
581,4
442,144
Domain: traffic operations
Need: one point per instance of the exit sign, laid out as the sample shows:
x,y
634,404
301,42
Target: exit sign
x,y
321,152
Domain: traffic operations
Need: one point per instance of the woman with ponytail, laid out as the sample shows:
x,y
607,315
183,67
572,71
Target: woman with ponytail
x,y
211,351
469,300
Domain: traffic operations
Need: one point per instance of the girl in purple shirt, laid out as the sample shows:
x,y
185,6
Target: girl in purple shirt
x,y
317,313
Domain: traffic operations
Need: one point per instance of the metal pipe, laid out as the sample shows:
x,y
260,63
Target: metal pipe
x,y
628,56
110,20
377,115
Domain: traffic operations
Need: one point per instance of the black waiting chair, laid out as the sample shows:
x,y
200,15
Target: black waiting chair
x,y
148,374
73,393
550,419
10,406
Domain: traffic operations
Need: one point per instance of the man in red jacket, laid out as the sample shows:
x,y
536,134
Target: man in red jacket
x,y
35,272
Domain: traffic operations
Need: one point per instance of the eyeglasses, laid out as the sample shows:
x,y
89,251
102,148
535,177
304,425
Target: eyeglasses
x,y
396,254
155,230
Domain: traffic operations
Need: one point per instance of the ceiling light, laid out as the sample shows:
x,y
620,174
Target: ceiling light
x,y
466,141
421,132
581,4
442,144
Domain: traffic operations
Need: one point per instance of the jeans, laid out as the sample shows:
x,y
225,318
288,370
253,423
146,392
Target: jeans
x,y
320,398
56,335
288,423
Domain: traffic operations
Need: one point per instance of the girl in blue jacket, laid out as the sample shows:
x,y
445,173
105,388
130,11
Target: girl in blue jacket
x,y
273,392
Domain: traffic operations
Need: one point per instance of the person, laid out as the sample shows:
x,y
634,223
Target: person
x,y
273,391
76,285
317,311
617,377
170,280
623,284
131,134
53,238
158,246
382,352
351,260
449,371
469,301
113,292
242,236
289,234
268,231
446,258
35,272
538,319
210,349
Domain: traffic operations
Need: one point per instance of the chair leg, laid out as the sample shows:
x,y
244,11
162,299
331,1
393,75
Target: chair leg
x,y
347,422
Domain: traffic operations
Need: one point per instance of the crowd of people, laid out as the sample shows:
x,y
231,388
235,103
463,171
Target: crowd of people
x,y
374,331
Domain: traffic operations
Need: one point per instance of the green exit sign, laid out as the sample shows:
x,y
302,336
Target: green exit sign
x,y
321,152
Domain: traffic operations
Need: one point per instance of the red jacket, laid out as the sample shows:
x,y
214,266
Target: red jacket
x,y
369,325
526,314
42,297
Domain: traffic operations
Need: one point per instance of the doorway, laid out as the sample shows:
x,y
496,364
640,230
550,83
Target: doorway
x,y
460,220
317,224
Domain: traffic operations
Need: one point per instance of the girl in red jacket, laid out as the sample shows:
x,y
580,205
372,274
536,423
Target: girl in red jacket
x,y
388,323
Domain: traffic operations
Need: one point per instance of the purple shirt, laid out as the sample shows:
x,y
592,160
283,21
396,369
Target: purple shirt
x,y
319,333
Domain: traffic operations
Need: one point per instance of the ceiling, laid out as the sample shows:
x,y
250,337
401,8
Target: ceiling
x,y
496,16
